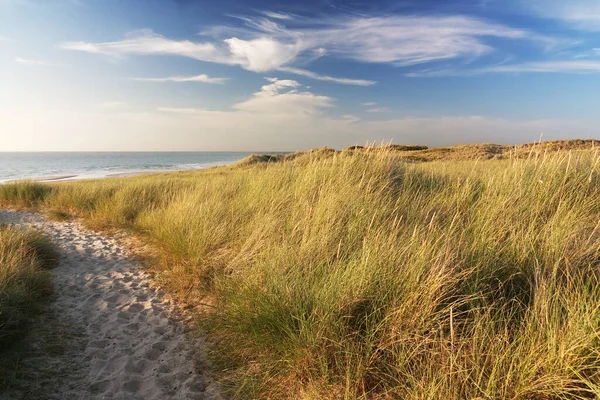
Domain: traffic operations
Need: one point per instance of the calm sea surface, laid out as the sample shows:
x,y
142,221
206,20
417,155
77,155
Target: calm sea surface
x,y
99,165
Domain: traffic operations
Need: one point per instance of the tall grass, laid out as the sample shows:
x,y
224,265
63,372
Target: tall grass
x,y
25,257
357,275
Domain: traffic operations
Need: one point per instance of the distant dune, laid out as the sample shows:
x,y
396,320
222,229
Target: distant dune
x,y
484,151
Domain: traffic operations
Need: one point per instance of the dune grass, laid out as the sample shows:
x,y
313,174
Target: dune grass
x,y
358,275
25,257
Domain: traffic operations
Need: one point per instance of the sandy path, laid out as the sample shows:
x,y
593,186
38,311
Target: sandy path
x,y
125,340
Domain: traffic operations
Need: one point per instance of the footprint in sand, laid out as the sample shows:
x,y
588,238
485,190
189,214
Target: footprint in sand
x,y
126,341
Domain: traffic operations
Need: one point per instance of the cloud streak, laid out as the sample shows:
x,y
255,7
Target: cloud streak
x,y
326,78
276,15
576,66
32,62
203,78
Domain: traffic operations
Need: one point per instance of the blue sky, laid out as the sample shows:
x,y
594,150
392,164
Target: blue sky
x,y
286,75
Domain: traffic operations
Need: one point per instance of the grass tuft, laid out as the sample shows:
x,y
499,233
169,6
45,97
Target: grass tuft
x,y
25,255
23,194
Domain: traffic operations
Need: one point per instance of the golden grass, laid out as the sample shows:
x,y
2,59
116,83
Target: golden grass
x,y
488,151
358,275
25,255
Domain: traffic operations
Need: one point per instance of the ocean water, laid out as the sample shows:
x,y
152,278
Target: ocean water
x,y
68,166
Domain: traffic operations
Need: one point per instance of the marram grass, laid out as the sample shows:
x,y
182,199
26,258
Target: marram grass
x,y
356,275
25,256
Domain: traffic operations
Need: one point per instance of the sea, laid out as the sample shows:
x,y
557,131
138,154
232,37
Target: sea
x,y
74,165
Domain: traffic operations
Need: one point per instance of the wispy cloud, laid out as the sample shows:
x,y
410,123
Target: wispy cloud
x,y
265,44
583,14
203,78
262,54
29,61
145,41
595,52
326,78
277,15
577,66
572,66
369,104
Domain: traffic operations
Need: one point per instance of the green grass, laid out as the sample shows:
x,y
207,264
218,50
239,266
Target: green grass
x,y
358,275
25,257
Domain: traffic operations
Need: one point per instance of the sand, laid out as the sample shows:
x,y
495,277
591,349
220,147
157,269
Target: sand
x,y
121,337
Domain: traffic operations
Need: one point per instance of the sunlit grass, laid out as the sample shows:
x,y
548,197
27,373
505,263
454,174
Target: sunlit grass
x,y
358,275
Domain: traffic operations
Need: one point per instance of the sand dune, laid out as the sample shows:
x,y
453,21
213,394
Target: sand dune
x,y
128,341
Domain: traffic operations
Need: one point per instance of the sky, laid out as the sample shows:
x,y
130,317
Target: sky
x,y
267,75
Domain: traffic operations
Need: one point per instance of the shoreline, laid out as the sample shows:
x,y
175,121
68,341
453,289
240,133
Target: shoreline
x,y
70,177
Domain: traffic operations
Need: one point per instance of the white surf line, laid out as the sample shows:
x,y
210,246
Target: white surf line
x,y
132,343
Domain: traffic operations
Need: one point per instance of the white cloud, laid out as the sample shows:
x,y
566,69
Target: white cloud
x,y
584,14
28,61
262,54
197,78
326,78
277,15
265,45
282,96
147,42
369,104
276,85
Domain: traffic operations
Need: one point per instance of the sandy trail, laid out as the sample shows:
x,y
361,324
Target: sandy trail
x,y
125,341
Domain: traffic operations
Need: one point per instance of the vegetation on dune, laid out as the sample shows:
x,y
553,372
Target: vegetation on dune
x,y
419,153
356,274
299,155
494,151
25,194
25,257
